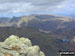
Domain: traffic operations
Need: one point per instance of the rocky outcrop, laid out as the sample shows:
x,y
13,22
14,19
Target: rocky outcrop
x,y
15,46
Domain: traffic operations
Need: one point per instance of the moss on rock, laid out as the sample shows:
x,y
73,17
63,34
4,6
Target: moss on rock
x,y
15,46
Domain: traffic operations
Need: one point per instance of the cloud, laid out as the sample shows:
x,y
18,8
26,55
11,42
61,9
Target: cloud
x,y
22,7
32,1
14,6
66,8
33,6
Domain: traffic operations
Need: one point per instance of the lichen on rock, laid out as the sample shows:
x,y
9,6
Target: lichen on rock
x,y
15,46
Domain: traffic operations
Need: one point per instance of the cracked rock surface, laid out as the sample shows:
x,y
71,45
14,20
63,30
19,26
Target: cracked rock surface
x,y
15,46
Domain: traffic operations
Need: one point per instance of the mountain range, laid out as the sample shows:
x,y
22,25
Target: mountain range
x,y
51,24
51,32
45,22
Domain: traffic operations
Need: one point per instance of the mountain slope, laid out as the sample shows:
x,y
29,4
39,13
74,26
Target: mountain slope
x,y
49,44
51,32
45,22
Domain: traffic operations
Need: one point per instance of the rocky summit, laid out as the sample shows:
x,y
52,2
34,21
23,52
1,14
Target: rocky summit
x,y
15,46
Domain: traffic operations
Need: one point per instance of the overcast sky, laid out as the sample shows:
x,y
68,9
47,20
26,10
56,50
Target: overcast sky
x,y
16,7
